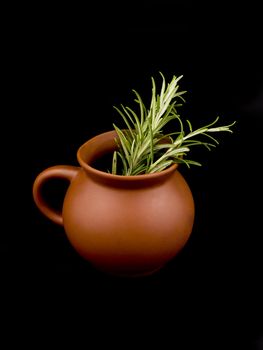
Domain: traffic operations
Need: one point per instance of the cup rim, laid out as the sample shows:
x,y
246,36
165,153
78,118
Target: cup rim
x,y
108,139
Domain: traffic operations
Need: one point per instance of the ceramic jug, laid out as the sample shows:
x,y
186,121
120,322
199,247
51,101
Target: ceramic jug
x,y
122,225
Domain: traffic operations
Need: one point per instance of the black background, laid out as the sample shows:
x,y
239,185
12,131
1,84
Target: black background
x,y
66,67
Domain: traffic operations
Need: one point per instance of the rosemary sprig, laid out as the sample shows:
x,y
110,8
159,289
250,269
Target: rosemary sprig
x,y
143,148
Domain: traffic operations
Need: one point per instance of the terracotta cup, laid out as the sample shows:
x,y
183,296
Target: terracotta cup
x,y
123,225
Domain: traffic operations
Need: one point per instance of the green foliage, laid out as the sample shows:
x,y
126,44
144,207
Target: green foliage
x,y
144,148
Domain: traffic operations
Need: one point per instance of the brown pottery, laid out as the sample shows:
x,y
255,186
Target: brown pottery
x,y
123,225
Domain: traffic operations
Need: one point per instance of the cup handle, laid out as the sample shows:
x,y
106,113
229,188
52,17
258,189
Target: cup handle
x,y
60,172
